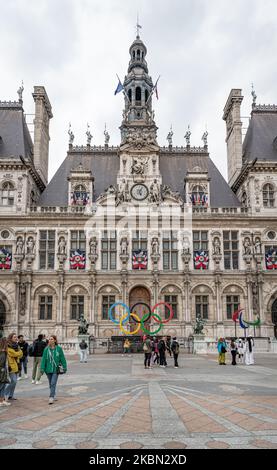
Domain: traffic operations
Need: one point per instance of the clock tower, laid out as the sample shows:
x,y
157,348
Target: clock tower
x,y
139,178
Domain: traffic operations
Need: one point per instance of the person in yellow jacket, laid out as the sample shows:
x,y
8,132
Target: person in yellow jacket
x,y
14,355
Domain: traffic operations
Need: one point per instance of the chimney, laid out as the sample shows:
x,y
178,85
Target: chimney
x,y
43,114
233,134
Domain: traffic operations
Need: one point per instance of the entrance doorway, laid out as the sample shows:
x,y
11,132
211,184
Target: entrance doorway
x,y
2,317
274,316
140,296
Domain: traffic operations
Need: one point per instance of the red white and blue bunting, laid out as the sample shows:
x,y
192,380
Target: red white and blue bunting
x,y
139,259
5,259
77,259
201,260
271,258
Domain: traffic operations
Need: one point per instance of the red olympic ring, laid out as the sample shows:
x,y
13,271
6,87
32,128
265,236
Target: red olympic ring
x,y
166,305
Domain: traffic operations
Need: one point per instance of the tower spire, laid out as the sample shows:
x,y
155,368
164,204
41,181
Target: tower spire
x,y
138,26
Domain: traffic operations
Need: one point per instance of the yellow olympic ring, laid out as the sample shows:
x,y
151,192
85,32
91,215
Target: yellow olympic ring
x,y
134,315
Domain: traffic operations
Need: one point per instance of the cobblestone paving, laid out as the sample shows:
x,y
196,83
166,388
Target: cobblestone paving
x,y
113,402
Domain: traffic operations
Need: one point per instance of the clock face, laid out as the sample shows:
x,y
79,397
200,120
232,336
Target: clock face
x,y
139,192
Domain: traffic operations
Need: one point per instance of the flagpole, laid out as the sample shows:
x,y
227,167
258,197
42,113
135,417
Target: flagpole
x,y
152,91
125,94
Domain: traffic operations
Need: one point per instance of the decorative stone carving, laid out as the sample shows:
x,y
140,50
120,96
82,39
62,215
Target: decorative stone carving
x,y
155,246
154,192
168,193
255,298
216,246
83,327
30,246
93,252
124,255
62,246
19,246
107,137
258,246
22,301
138,167
89,136
247,246
187,136
139,136
169,137
198,326
123,194
71,135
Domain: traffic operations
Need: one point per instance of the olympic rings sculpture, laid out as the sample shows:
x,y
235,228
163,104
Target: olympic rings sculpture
x,y
243,323
140,321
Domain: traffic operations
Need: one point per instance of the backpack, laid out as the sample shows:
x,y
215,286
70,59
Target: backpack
x,y
175,347
145,347
31,349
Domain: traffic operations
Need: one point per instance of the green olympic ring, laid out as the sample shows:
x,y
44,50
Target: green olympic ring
x,y
145,329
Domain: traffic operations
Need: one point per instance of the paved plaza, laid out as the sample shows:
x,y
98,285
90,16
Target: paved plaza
x,y
113,402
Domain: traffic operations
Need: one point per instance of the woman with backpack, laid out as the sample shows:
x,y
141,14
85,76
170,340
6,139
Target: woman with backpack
x,y
222,349
234,351
52,360
147,349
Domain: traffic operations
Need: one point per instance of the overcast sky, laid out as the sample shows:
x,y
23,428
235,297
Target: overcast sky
x,y
201,49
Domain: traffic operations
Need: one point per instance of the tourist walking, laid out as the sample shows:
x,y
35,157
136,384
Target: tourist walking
x,y
126,346
162,348
4,374
52,359
14,356
24,346
241,350
37,351
234,351
146,347
156,357
222,349
83,351
249,351
175,347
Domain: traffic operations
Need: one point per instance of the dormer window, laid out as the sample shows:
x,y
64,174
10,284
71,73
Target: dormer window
x,y
7,197
198,196
268,195
80,196
138,96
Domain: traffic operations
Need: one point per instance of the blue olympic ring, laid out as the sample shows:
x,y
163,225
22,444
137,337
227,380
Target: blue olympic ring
x,y
111,315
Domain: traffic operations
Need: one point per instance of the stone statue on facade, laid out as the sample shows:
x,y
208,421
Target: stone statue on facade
x,y
167,192
89,136
216,246
205,138
124,246
107,136
22,298
258,246
154,193
137,167
186,246
169,137
123,193
93,246
62,246
155,246
187,136
83,327
71,135
255,298
199,325
247,246
20,92
19,246
30,246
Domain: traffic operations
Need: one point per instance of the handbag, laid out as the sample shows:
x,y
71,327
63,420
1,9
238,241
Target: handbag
x,y
60,370
223,349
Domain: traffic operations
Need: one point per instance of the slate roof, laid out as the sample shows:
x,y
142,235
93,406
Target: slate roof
x,y
104,166
15,137
262,130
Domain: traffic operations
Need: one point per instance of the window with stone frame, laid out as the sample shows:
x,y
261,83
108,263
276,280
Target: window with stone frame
x,y
108,250
268,195
8,194
200,249
202,306
107,302
198,196
173,301
45,307
232,305
77,304
77,249
170,250
46,249
231,249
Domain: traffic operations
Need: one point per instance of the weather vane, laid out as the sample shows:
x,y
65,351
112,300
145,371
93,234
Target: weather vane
x,y
138,26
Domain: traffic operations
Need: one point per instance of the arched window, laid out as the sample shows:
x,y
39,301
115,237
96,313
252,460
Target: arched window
x,y
138,54
268,195
80,195
134,55
198,196
7,194
138,96
146,95
130,95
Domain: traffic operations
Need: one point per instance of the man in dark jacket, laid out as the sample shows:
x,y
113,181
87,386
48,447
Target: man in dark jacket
x,y
24,359
38,348
162,348
175,349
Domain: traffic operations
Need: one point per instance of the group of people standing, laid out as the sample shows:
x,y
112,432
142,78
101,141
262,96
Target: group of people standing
x,y
155,351
14,351
243,348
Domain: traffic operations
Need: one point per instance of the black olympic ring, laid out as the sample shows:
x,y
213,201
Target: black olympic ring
x,y
146,305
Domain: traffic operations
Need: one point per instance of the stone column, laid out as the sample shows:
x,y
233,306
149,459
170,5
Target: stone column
x,y
28,298
60,301
17,302
92,280
186,288
218,299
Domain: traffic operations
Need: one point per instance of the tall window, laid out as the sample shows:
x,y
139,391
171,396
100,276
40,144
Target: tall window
x,y
45,307
268,195
138,96
231,249
139,241
107,302
202,306
7,194
76,306
46,249
170,250
200,249
171,300
77,249
232,304
108,250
